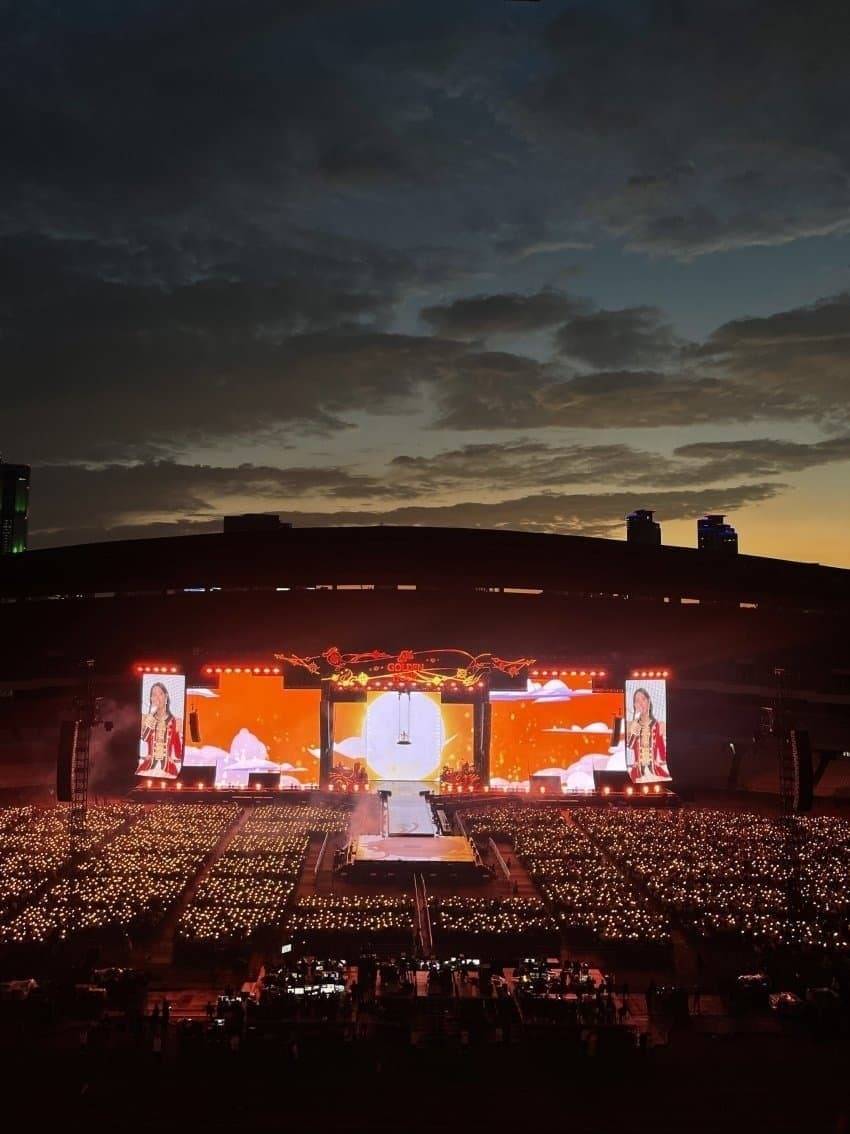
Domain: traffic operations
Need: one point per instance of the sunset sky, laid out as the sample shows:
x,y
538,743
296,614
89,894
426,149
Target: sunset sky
x,y
474,263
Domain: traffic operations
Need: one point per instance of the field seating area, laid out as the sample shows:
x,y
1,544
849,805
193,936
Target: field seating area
x,y
496,916
584,891
252,883
35,847
727,873
127,882
374,915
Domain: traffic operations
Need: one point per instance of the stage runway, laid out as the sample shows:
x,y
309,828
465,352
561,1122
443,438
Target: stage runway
x,y
409,813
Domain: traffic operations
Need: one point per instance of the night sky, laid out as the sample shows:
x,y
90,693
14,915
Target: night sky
x,y
473,263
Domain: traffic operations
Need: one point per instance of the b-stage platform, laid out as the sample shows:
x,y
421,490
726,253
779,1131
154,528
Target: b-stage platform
x,y
378,856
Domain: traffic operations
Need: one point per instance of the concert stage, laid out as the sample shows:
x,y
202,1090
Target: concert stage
x,y
376,856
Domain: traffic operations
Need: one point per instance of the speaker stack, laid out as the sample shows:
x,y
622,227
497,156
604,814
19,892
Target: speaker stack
x,y
802,770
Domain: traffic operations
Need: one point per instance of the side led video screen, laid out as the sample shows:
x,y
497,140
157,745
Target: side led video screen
x,y
646,731
163,709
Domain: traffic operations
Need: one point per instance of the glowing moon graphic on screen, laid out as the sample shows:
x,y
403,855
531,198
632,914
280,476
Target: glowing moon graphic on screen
x,y
418,760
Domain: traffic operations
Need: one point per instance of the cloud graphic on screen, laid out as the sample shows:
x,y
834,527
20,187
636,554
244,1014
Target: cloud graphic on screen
x,y
554,690
245,748
207,754
594,726
353,748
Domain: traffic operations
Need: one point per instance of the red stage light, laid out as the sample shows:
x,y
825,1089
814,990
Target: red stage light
x,y
258,787
148,783
606,790
266,669
543,791
657,789
630,790
645,789
179,786
276,670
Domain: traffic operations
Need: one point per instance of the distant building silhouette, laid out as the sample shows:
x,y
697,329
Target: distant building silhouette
x,y
14,507
715,535
254,522
642,529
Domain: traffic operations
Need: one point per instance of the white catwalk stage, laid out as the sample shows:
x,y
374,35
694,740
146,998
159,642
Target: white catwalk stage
x,y
408,810
410,843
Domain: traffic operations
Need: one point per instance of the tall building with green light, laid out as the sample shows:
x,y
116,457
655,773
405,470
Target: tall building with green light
x,y
14,507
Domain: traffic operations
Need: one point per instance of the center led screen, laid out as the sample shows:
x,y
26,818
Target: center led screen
x,y
252,724
402,736
556,728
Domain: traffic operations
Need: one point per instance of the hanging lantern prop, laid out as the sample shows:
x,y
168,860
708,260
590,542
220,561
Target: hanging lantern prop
x,y
403,718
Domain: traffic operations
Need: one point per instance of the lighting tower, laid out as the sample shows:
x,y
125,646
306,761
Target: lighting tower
x,y
88,716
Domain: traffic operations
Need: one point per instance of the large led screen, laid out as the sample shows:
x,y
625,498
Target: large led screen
x,y
402,736
251,724
163,707
559,727
646,731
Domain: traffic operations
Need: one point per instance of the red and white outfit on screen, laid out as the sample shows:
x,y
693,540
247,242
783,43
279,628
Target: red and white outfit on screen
x,y
165,748
646,740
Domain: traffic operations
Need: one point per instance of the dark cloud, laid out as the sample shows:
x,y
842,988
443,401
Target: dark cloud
x,y
720,460
532,464
526,463
482,316
634,337
155,491
801,354
729,111
528,396
580,514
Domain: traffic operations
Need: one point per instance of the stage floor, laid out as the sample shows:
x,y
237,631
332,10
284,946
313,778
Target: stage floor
x,y
412,849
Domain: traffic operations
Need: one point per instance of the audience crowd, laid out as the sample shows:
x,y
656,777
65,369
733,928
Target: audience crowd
x,y
252,883
370,914
125,879
504,916
736,873
582,888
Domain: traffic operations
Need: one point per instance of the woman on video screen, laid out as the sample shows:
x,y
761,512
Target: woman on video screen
x,y
161,733
645,738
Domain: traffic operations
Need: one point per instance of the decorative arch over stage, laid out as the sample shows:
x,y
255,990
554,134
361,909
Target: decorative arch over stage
x,y
455,674
426,669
